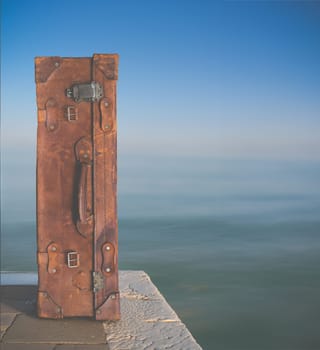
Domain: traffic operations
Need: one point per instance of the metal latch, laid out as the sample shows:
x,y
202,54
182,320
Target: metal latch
x,y
73,260
98,281
89,92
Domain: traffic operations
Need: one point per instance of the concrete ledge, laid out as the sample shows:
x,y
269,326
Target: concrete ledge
x,y
148,322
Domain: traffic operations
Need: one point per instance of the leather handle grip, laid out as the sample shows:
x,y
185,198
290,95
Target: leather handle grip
x,y
82,193
83,152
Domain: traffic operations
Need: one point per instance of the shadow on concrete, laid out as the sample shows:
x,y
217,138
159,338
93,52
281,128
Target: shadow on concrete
x,y
22,329
19,299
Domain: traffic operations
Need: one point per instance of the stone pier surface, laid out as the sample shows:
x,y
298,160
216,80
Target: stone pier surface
x,y
147,321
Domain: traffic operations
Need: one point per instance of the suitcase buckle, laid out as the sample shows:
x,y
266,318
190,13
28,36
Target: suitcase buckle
x,y
73,260
89,92
71,113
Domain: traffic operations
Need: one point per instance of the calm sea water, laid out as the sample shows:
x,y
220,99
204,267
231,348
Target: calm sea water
x,y
233,245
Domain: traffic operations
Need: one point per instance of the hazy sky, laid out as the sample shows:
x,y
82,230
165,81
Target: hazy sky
x,y
220,78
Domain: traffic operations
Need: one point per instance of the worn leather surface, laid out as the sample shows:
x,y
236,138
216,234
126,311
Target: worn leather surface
x,y
105,180
76,189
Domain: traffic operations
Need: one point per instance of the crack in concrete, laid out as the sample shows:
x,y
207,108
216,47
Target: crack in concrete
x,y
7,328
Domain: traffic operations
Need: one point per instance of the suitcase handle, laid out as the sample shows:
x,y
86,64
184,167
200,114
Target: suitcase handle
x,y
83,214
83,152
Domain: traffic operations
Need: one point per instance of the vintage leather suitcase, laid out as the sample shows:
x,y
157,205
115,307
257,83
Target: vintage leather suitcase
x,y
77,230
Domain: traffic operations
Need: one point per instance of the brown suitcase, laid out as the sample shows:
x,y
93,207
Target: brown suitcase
x,y
77,228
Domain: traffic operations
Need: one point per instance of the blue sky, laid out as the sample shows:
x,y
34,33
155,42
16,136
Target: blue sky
x,y
237,79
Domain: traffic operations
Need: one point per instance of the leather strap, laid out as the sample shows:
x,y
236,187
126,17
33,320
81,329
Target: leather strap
x,y
108,251
53,258
52,115
107,115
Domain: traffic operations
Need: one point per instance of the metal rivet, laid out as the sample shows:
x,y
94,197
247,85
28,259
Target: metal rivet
x,y
57,64
113,296
85,155
98,312
54,249
58,309
53,270
108,247
51,127
107,269
107,126
106,104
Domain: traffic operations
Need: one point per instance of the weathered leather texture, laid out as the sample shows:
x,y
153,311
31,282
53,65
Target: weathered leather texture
x,y
77,228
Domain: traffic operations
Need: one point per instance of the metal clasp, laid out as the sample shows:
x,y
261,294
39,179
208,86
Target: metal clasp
x,y
89,92
73,260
